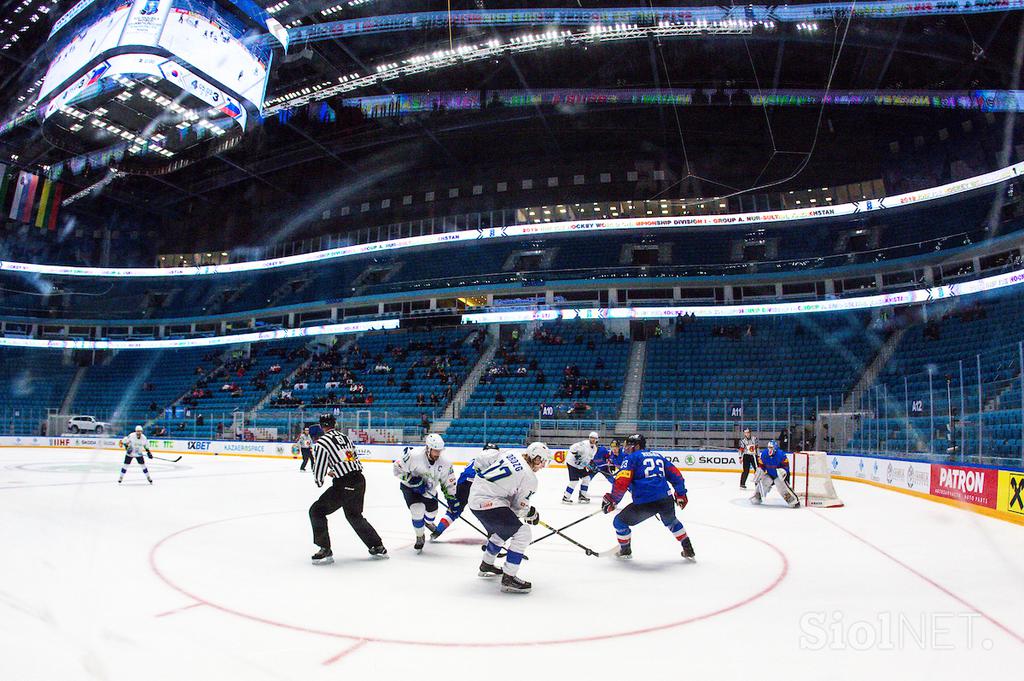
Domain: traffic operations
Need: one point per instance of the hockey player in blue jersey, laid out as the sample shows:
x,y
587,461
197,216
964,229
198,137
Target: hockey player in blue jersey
x,y
462,490
647,476
607,461
773,471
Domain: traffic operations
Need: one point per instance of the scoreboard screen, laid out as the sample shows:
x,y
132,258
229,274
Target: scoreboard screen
x,y
216,50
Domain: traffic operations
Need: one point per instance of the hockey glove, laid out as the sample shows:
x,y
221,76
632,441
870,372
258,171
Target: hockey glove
x,y
532,517
149,454
608,503
591,470
681,501
454,506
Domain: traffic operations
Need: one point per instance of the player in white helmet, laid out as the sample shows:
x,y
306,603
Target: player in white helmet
x,y
134,445
500,499
579,462
421,471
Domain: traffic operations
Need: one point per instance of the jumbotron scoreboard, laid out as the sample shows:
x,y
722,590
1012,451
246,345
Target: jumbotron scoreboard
x,y
156,75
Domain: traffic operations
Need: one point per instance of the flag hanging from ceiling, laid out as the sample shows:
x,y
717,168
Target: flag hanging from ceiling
x,y
58,192
5,184
24,197
49,203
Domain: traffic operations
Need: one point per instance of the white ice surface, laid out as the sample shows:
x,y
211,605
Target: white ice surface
x,y
206,575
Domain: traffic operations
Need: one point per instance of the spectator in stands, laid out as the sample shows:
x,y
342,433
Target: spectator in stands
x,y
578,408
424,422
499,399
421,400
434,401
541,378
199,419
152,406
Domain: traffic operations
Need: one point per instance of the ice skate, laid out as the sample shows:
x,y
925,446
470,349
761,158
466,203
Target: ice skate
x,y
488,570
584,499
420,541
688,553
378,553
625,552
514,585
323,557
566,499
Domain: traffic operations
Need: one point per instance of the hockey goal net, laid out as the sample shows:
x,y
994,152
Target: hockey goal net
x,y
812,480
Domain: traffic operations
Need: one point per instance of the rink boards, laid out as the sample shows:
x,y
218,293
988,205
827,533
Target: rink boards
x,y
997,492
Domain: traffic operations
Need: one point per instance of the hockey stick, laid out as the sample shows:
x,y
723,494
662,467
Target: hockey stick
x,y
501,554
589,551
171,460
566,527
463,519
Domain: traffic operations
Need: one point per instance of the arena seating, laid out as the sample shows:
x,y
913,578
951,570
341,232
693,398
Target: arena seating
x,y
121,389
509,398
719,366
31,381
960,220
988,331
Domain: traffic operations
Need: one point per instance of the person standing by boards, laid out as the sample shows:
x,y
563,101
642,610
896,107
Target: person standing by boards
x,y
748,455
305,443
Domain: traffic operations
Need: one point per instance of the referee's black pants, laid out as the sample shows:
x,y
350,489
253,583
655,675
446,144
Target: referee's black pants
x,y
346,493
748,464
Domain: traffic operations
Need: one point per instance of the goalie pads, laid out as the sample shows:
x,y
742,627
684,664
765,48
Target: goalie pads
x,y
764,484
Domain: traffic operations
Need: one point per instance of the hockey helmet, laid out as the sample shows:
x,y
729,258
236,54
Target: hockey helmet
x,y
772,444
593,435
434,441
491,445
637,441
138,429
538,450
327,420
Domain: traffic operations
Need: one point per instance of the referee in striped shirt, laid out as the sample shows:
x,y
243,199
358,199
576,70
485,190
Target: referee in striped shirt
x,y
334,456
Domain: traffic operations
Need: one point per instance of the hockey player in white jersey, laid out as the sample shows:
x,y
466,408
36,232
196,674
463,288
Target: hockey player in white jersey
x,y
134,445
421,471
581,454
500,499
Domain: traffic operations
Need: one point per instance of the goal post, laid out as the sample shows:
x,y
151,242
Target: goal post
x,y
812,480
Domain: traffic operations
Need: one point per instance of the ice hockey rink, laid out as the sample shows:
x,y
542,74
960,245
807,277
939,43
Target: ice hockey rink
x,y
206,575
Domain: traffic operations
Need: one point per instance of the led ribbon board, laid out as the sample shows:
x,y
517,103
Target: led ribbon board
x,y
404,104
923,295
568,227
166,344
643,16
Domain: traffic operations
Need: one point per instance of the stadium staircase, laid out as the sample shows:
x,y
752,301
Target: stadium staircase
x,y
472,380
630,408
870,375
69,397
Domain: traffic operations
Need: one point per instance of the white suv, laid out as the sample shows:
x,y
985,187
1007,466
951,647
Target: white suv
x,y
86,424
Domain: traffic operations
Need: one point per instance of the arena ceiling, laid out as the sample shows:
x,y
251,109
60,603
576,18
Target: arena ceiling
x,y
342,55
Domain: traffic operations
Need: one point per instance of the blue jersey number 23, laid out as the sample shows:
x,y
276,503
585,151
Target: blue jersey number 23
x,y
651,465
